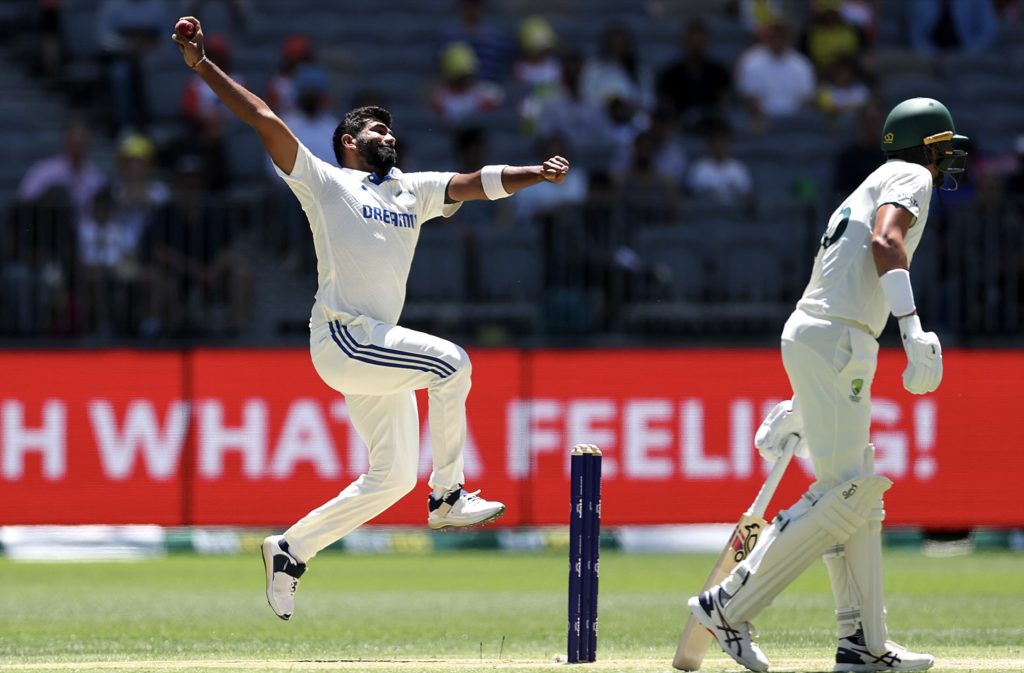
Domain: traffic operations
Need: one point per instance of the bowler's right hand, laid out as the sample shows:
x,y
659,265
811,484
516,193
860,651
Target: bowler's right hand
x,y
192,50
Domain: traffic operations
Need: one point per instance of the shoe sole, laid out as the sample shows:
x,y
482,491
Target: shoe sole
x,y
267,554
445,526
870,668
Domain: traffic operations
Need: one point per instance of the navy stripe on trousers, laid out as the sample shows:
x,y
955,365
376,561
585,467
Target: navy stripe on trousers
x,y
358,353
425,359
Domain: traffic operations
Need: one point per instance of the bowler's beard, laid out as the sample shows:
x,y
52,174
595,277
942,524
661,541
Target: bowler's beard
x,y
380,157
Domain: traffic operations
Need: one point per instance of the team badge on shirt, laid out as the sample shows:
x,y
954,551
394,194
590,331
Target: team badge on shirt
x,y
856,386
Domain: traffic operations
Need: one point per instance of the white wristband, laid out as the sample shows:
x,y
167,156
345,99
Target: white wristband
x,y
490,177
898,292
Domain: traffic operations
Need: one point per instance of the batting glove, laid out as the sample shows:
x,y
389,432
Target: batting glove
x,y
924,357
781,422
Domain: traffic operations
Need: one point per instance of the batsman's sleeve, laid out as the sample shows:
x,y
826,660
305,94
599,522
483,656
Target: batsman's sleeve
x,y
308,176
430,188
908,189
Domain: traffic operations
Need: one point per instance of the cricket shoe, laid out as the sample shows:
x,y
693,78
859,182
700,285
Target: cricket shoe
x,y
737,640
283,572
459,509
853,656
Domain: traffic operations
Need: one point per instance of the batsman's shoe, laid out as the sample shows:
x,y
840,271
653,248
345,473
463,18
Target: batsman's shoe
x,y
737,640
459,509
283,572
853,656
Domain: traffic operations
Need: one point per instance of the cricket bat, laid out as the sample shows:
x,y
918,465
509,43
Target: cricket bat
x,y
695,639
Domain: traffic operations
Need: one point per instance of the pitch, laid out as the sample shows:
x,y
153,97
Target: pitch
x,y
466,612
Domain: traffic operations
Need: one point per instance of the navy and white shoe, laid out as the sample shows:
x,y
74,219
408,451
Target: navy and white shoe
x,y
852,656
737,640
283,572
459,509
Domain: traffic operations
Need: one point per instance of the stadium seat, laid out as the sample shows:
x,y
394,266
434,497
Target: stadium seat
x,y
509,276
676,290
436,290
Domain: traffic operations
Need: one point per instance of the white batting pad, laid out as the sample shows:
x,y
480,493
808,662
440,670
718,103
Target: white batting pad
x,y
795,539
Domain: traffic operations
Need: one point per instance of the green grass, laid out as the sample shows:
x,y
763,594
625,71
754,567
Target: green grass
x,y
468,611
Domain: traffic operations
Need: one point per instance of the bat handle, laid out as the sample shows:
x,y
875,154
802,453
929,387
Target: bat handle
x,y
764,496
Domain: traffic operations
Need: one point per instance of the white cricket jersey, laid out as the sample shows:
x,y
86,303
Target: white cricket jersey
x,y
844,283
365,231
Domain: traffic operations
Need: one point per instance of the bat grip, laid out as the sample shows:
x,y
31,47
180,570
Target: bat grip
x,y
764,496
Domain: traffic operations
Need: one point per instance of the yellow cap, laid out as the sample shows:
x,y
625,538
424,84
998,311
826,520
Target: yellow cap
x,y
458,60
535,34
136,146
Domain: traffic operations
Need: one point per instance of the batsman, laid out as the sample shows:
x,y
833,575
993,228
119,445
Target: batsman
x,y
830,351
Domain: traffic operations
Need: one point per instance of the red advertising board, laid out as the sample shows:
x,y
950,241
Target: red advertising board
x,y
91,438
253,437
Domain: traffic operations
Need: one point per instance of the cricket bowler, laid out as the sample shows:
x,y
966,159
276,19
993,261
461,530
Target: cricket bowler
x,y
365,215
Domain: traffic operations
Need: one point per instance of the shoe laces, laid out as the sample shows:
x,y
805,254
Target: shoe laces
x,y
472,496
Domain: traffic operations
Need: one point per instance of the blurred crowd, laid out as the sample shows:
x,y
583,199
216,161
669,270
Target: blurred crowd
x,y
156,245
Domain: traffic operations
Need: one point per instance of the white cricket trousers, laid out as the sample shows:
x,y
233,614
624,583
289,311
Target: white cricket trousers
x,y
831,366
378,367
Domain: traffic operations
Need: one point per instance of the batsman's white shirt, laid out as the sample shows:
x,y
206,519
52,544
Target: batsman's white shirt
x,y
365,230
844,283
829,345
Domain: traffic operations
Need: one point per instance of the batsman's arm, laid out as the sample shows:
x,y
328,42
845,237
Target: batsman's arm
x,y
277,138
497,182
891,225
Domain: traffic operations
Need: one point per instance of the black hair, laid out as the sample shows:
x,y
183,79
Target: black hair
x,y
353,123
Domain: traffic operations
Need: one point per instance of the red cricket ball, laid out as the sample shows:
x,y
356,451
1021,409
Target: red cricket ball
x,y
186,29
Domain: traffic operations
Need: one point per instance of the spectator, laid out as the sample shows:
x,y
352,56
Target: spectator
x,y
207,118
196,264
844,90
718,175
774,79
71,172
828,38
491,48
462,97
107,249
569,114
313,124
858,160
694,87
128,30
312,121
616,71
136,191
861,13
51,39
542,200
626,122
296,51
537,65
648,194
936,26
668,158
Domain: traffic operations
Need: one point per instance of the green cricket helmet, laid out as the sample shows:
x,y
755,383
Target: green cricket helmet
x,y
924,122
